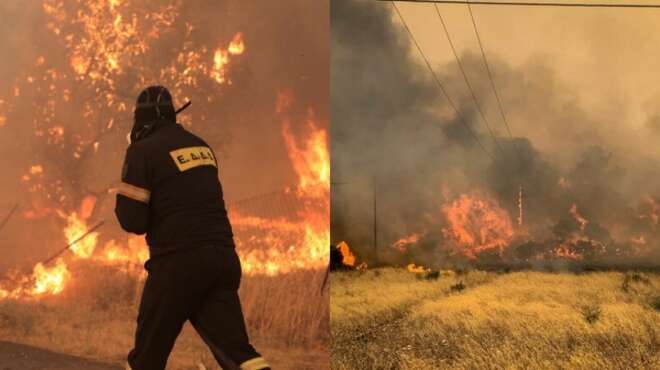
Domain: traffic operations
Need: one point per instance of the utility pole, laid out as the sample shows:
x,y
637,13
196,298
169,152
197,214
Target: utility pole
x,y
375,220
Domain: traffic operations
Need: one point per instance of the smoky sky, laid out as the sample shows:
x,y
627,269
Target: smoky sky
x,y
394,135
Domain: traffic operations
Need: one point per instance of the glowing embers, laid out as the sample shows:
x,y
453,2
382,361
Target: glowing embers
x,y
475,225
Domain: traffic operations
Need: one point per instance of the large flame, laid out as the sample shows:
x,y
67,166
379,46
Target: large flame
x,y
300,240
476,225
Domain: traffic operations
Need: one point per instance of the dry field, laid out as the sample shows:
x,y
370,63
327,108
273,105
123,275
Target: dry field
x,y
95,318
389,318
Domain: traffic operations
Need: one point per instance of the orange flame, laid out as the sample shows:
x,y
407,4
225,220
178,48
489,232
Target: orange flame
x,y
76,227
221,58
476,225
347,257
298,241
50,280
416,269
312,160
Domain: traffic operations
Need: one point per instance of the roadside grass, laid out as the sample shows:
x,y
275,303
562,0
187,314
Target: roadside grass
x,y
519,320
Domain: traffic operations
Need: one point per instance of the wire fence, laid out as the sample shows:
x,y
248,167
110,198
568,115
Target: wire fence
x,y
281,204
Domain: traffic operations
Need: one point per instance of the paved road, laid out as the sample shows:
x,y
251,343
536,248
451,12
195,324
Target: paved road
x,y
21,357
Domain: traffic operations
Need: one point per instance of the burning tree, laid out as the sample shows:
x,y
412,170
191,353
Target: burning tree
x,y
79,92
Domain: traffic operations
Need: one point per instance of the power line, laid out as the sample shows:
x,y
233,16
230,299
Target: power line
x,y
437,81
492,81
490,74
536,4
465,78
516,149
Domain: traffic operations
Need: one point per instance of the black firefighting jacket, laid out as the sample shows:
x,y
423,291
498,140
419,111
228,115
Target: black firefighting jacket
x,y
170,190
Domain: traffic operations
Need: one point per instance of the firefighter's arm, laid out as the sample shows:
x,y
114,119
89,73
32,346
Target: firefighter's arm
x,y
133,193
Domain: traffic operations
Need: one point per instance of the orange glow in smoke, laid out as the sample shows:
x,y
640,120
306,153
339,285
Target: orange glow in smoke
x,y
403,243
578,217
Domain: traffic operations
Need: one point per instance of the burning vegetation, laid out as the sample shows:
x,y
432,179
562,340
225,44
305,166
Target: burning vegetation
x,y
426,182
73,105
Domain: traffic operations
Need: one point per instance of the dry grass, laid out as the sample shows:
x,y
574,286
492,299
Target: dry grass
x,y
387,319
287,316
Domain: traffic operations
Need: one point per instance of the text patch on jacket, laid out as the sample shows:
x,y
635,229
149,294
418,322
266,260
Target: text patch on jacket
x,y
191,157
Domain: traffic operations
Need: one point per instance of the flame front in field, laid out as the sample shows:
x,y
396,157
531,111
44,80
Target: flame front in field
x,y
476,225
299,237
311,159
135,251
50,280
77,227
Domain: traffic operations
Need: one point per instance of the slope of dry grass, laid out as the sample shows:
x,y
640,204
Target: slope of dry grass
x,y
388,319
287,316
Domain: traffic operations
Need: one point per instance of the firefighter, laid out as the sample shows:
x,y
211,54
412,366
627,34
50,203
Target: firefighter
x,y
170,190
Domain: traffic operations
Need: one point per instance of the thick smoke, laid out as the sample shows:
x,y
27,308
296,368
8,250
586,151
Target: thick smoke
x,y
393,131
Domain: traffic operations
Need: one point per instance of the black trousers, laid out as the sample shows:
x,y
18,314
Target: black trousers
x,y
200,285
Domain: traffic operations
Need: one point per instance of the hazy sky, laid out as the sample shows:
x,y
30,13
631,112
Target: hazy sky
x,y
608,57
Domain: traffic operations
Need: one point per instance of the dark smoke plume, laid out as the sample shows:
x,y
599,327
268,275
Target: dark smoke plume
x,y
393,133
